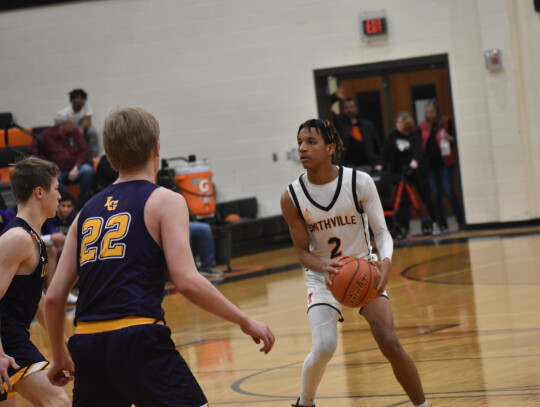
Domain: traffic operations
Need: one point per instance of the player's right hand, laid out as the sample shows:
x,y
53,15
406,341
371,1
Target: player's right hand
x,y
5,362
259,331
61,373
330,268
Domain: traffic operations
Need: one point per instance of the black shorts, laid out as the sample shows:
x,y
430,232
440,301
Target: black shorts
x,y
23,351
26,355
136,365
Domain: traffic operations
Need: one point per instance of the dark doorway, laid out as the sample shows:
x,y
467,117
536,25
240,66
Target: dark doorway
x,y
370,104
383,89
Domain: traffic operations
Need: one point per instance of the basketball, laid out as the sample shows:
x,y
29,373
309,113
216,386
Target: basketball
x,y
355,285
232,218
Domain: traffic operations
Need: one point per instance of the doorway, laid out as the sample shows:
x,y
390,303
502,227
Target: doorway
x,y
383,89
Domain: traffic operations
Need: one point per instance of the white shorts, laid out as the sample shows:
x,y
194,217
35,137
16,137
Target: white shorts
x,y
318,294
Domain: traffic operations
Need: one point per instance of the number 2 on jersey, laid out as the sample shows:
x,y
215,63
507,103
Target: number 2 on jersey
x,y
336,241
116,228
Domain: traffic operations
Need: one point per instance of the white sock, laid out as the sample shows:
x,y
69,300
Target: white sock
x,y
323,324
424,404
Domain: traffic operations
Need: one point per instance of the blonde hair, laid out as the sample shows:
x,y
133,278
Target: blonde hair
x,y
129,136
407,121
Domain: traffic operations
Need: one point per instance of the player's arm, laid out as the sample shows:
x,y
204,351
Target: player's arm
x,y
173,221
64,279
16,248
371,203
300,238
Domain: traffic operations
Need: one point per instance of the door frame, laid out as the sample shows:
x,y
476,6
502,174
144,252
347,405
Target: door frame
x,y
383,68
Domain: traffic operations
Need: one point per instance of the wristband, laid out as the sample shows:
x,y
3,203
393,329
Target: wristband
x,y
47,240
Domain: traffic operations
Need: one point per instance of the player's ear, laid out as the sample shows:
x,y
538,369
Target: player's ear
x,y
157,147
331,149
38,192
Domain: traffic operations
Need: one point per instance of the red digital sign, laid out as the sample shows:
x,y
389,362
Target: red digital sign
x,y
374,26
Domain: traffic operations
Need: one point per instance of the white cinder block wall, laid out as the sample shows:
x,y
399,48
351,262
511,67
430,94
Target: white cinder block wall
x,y
230,80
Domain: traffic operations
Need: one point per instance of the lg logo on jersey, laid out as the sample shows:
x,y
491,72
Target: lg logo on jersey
x,y
110,204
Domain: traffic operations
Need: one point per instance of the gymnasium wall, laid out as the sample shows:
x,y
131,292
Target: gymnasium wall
x,y
231,80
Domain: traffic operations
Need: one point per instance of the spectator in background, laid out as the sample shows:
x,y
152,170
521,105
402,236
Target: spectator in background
x,y
64,145
65,214
201,234
105,175
403,156
359,135
81,112
54,233
438,142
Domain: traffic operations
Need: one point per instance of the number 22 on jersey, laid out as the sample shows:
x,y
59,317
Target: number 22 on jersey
x,y
113,230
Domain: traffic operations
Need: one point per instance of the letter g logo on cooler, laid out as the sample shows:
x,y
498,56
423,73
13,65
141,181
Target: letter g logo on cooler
x,y
204,185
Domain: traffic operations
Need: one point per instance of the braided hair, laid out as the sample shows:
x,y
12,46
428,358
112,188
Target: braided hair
x,y
329,134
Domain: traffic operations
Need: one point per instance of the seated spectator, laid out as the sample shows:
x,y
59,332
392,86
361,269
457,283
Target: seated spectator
x,y
82,113
105,175
53,234
65,215
64,145
202,233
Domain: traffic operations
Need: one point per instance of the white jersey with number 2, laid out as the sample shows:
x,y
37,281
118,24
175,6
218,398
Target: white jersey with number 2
x,y
336,215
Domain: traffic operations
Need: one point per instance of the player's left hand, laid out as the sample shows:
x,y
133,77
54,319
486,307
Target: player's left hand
x,y
383,267
259,331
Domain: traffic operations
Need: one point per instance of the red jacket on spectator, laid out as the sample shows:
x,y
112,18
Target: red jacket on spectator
x,y
65,150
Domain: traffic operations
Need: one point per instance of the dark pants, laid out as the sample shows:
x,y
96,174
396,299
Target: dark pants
x,y
136,365
441,182
86,173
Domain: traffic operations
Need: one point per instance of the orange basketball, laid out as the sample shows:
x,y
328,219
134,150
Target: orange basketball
x,y
355,285
232,217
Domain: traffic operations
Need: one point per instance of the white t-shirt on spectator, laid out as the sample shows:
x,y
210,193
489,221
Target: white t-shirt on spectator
x,y
80,115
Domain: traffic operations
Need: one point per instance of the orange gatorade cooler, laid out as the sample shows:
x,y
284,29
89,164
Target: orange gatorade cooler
x,y
195,182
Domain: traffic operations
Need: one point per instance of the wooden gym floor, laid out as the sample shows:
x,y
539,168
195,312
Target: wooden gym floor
x,y
467,309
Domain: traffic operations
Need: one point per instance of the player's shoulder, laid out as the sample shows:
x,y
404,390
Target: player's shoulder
x,y
362,177
16,238
285,196
162,198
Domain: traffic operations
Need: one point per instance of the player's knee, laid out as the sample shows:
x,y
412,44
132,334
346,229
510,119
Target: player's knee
x,y
324,351
57,398
390,345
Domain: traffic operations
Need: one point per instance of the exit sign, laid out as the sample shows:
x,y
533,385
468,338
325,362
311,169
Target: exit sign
x,y
374,26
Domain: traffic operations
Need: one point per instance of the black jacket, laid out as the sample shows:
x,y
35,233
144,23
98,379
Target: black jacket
x,y
395,160
363,152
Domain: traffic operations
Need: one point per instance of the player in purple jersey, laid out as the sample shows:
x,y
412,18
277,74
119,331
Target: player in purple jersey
x,y
119,248
23,262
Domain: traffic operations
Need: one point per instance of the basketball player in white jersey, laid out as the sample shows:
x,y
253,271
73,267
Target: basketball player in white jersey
x,y
328,210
